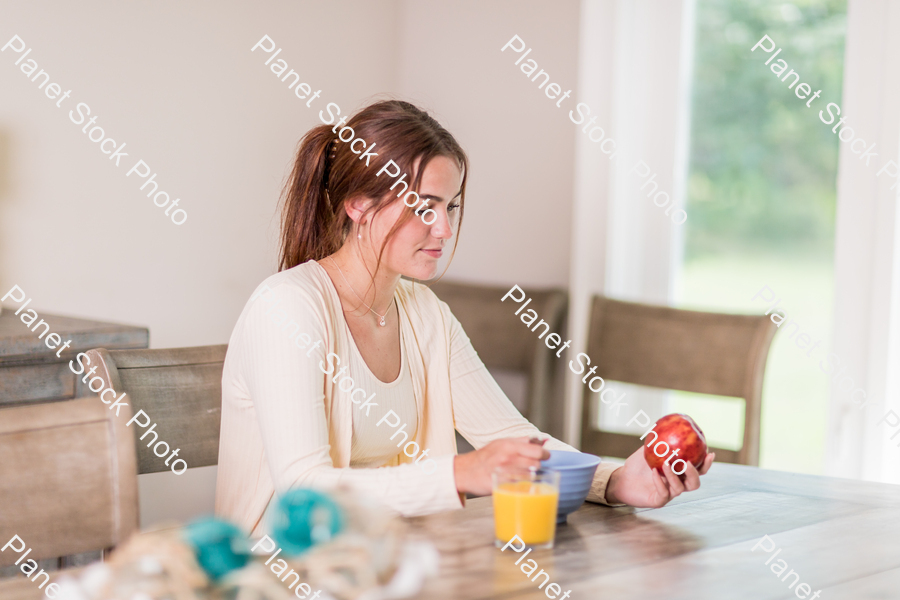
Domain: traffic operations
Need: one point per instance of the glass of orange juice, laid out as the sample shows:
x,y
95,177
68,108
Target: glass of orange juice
x,y
525,505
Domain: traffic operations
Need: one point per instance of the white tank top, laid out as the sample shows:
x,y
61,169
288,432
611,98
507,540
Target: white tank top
x,y
371,445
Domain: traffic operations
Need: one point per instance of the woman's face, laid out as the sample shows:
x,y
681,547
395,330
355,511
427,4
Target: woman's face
x,y
415,249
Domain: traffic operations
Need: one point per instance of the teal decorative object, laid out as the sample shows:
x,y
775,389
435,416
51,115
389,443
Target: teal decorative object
x,y
219,546
304,518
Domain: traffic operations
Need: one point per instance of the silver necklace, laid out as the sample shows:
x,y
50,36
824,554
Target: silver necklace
x,y
382,323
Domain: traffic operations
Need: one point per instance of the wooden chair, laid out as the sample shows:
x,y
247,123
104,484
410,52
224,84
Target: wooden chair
x,y
180,389
504,342
68,481
709,353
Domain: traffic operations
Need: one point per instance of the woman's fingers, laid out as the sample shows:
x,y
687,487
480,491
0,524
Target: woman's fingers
x,y
662,487
674,481
522,462
692,475
529,461
532,451
523,447
707,463
516,453
691,478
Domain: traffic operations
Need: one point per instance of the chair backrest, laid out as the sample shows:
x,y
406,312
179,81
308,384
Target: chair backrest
x,y
503,341
709,353
181,391
68,479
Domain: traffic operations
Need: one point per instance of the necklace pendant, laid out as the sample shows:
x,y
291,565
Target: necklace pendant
x,y
383,324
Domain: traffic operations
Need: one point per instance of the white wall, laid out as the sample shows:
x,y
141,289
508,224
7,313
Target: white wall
x,y
179,85
517,223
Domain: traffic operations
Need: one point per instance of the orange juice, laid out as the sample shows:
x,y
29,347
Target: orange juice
x,y
526,509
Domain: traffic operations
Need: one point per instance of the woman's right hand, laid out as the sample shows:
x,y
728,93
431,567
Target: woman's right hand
x,y
473,469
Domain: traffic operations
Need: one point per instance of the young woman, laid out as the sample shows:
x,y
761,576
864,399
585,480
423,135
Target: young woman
x,y
337,366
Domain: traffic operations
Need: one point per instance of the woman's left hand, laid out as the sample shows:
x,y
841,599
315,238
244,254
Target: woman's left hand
x,y
636,484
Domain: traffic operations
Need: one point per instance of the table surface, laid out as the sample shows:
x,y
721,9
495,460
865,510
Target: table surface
x,y
841,536
33,371
18,343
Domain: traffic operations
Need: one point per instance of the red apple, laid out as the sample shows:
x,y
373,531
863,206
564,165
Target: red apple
x,y
675,432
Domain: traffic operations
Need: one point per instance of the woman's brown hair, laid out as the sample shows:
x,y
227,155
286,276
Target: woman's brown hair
x,y
327,173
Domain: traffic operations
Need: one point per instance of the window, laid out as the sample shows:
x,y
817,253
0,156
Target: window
x,y
761,199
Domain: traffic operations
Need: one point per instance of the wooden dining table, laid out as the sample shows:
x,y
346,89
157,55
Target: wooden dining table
x,y
841,536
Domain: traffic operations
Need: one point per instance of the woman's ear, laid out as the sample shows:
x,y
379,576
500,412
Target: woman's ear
x,y
355,207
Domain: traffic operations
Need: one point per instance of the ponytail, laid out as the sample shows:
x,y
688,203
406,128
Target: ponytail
x,y
307,212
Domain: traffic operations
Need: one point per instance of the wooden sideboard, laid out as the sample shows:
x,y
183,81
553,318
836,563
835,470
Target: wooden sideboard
x,y
31,372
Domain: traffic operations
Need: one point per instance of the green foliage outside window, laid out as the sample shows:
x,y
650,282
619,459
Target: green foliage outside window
x,y
763,166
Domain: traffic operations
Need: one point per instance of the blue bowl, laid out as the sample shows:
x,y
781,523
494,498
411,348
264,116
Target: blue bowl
x,y
576,472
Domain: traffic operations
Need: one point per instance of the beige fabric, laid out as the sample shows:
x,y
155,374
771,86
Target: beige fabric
x,y
285,424
371,445
68,479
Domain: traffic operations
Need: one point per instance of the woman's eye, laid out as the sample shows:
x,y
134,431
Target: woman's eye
x,y
452,207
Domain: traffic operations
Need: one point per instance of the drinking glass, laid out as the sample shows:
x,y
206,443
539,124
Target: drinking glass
x,y
525,504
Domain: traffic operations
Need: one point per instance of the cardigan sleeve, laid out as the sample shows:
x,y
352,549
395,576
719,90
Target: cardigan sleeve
x,y
482,412
284,377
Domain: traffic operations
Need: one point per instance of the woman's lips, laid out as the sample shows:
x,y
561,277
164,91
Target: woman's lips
x,y
433,253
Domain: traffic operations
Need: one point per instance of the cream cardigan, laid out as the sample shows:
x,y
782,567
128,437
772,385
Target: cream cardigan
x,y
285,424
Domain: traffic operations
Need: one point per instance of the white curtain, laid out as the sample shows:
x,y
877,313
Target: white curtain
x,y
634,75
867,253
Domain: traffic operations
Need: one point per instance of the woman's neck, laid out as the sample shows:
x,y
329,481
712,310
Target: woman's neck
x,y
355,265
